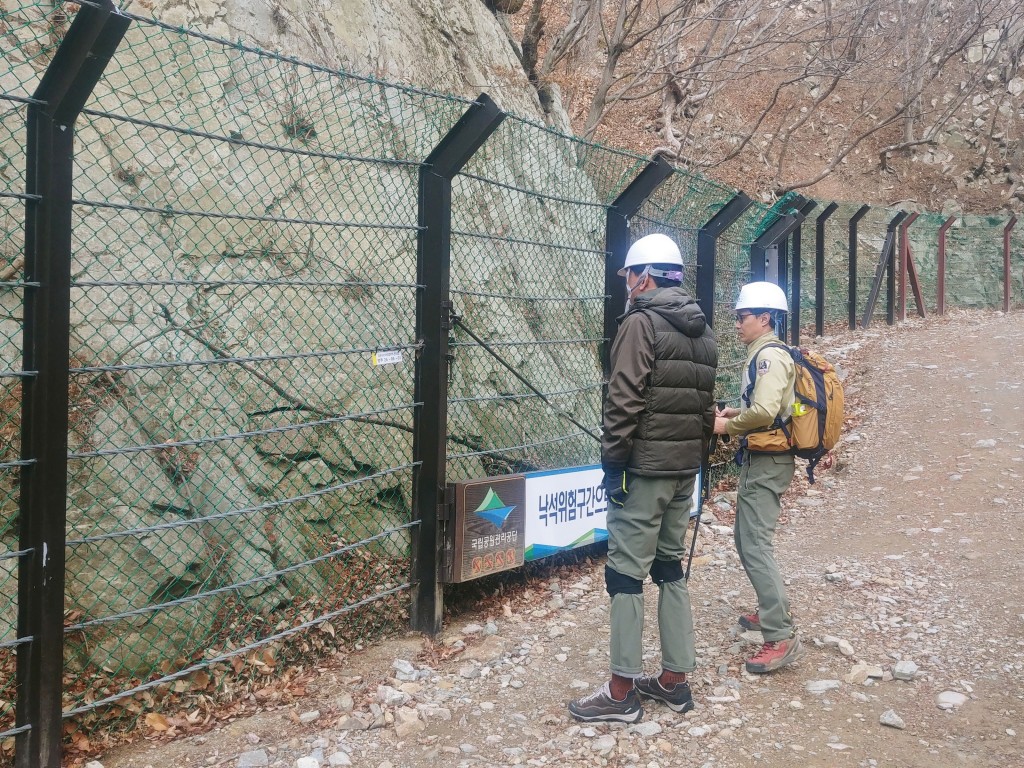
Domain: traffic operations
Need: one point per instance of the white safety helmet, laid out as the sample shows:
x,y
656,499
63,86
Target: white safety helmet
x,y
762,295
653,249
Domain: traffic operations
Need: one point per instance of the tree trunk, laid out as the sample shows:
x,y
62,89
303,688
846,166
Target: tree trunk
x,y
504,6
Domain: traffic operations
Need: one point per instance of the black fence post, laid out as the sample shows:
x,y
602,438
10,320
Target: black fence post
x,y
852,273
940,287
772,237
783,251
433,322
819,268
617,241
886,265
63,90
707,251
794,331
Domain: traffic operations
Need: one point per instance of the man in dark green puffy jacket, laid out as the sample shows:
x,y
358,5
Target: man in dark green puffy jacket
x,y
658,414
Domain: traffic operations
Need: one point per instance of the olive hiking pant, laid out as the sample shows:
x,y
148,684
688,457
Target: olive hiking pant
x,y
763,477
651,525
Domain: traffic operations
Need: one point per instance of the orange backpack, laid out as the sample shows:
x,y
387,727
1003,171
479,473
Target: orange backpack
x,y
817,419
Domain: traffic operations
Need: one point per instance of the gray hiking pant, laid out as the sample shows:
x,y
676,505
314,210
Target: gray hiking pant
x,y
763,478
652,524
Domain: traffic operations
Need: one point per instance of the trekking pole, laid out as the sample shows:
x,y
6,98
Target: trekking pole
x,y
702,497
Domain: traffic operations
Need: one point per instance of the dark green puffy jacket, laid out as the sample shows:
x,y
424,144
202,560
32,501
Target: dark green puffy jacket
x,y
660,404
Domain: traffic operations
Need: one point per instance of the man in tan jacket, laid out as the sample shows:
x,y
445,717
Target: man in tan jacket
x,y
769,378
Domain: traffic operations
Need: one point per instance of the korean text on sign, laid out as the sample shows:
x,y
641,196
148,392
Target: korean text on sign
x,y
570,505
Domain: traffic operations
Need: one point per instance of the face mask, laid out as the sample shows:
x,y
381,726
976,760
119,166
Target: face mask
x,y
629,291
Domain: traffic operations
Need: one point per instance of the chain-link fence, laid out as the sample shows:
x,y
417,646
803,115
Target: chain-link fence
x,y
527,262
238,346
240,460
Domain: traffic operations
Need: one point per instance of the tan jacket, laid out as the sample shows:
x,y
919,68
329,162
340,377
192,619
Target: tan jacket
x,y
774,385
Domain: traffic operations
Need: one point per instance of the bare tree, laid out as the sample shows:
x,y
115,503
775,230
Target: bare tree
x,y
836,75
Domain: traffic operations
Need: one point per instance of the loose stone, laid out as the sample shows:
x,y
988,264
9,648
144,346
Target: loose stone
x,y
255,759
604,743
891,719
821,686
905,670
950,700
648,729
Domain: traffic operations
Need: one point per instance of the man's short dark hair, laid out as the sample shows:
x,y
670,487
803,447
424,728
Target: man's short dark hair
x,y
661,282
771,315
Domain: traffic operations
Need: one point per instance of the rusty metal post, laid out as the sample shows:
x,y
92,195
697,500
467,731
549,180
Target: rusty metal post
x,y
1006,262
901,306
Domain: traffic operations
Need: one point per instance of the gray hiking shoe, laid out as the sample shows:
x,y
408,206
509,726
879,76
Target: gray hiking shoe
x,y
775,654
600,706
677,697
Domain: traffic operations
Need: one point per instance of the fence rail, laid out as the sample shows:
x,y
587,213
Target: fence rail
x,y
249,312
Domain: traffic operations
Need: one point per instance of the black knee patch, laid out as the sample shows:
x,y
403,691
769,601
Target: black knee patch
x,y
619,584
663,571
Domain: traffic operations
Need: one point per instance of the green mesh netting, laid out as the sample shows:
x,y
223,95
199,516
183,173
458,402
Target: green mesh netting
x,y
244,239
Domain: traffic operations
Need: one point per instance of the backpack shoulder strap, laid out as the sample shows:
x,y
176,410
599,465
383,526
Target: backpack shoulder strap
x,y
748,393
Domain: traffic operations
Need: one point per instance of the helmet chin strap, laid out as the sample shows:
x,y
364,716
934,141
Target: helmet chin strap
x,y
629,291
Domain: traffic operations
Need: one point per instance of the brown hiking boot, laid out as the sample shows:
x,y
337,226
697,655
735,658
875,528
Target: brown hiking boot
x,y
775,654
750,621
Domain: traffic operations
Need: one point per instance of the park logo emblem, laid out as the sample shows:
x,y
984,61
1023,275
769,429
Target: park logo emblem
x,y
494,510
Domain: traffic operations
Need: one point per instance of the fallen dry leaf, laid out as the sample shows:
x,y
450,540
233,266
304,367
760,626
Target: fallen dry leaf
x,y
158,722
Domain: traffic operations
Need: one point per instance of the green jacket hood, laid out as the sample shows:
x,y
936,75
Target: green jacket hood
x,y
676,306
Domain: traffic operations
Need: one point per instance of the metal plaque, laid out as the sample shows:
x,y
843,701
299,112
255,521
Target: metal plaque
x,y
486,531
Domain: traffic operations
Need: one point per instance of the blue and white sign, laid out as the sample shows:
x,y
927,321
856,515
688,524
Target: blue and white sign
x,y
566,508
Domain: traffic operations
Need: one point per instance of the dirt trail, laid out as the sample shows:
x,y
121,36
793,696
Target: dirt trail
x,y
909,550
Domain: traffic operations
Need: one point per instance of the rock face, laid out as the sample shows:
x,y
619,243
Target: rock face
x,y
452,46
197,270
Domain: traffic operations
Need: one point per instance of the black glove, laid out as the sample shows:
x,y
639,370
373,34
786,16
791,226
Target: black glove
x,y
615,486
